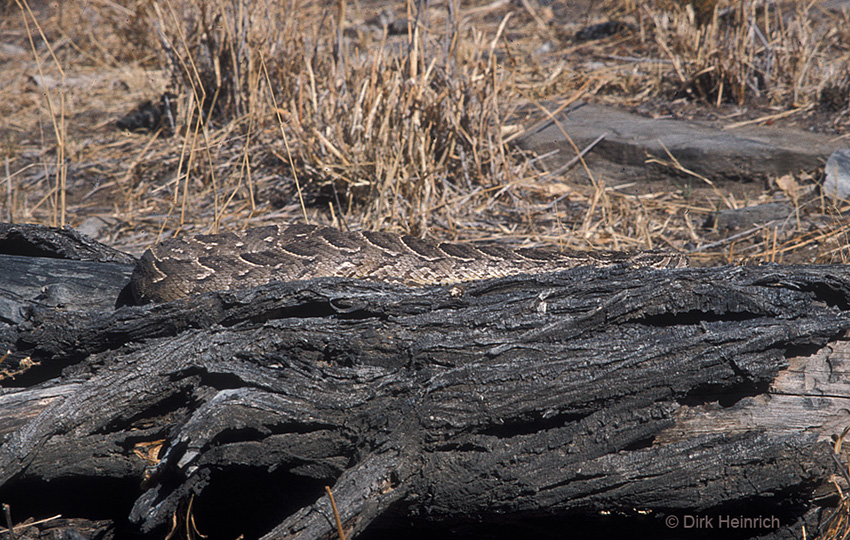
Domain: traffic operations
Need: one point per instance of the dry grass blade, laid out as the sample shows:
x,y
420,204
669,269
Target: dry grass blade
x,y
339,529
837,524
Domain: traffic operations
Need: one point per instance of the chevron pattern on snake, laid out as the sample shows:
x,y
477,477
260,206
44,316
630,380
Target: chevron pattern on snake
x,y
191,265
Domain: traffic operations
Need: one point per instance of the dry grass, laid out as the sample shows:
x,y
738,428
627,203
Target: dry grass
x,y
753,52
306,111
373,136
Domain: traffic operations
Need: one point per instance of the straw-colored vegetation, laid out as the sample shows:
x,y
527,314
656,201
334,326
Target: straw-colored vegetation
x,y
301,110
377,115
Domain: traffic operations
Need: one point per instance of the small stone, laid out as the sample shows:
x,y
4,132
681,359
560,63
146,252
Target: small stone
x,y
837,183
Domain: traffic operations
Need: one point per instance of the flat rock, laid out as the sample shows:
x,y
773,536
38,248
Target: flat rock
x,y
749,153
750,216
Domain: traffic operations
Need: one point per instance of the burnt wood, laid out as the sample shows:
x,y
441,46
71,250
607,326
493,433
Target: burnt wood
x,y
595,399
59,243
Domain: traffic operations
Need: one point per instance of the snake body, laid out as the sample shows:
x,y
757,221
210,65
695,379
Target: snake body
x,y
191,265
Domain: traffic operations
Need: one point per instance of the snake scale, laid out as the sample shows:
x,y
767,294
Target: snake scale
x,y
191,265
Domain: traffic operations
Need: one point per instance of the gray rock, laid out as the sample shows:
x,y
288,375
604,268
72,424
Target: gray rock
x,y
751,152
750,216
837,182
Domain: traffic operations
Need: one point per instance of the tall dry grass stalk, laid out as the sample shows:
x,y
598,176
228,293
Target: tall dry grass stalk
x,y
56,111
396,131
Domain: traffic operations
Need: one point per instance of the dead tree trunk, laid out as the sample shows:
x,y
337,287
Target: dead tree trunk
x,y
593,397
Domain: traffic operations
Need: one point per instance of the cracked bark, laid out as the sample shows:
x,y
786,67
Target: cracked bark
x,y
549,398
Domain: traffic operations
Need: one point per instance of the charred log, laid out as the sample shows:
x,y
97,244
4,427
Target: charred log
x,y
551,398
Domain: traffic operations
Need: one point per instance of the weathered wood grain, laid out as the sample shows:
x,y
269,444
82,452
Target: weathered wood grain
x,y
555,399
